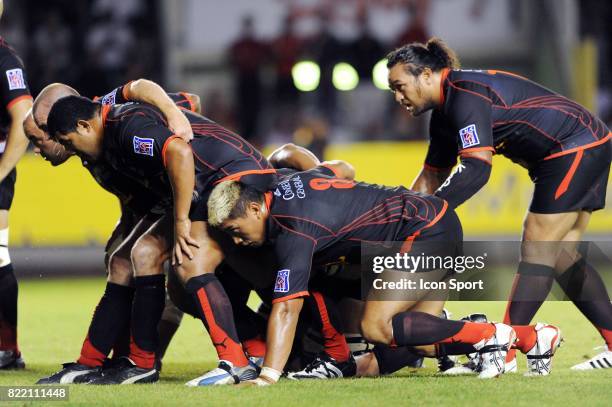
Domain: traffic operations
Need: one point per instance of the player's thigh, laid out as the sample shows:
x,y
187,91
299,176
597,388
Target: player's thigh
x,y
152,248
542,234
568,253
119,262
205,259
4,219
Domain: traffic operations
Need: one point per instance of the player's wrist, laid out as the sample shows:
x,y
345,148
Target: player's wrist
x,y
270,375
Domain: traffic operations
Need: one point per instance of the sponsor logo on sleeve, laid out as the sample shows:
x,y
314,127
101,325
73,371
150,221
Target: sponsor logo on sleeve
x,y
469,136
282,281
15,79
143,146
109,98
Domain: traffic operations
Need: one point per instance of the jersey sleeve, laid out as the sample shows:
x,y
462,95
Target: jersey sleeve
x,y
294,254
442,150
469,116
114,97
14,81
144,140
181,100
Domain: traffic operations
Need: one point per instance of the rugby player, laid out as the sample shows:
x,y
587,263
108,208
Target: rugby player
x,y
16,101
328,213
566,149
170,168
135,220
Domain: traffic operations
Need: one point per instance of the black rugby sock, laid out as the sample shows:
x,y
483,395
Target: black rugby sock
x,y
149,301
9,292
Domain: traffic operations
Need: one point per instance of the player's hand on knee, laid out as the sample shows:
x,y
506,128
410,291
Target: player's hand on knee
x,y
183,241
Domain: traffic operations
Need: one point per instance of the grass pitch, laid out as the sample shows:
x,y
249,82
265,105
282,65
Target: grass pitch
x,y
54,316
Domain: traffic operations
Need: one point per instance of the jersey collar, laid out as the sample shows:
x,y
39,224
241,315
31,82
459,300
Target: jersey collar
x,y
443,78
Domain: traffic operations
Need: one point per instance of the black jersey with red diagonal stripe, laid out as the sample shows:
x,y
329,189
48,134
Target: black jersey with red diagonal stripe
x,y
509,115
135,140
312,211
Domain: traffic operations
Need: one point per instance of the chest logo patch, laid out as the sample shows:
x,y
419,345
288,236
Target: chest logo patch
x,y
143,146
15,79
282,281
469,136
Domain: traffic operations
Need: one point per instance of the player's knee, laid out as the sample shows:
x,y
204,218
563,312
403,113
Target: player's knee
x,y
376,331
147,257
119,270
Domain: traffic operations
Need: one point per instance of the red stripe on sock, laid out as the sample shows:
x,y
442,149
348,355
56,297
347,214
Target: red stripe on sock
x,y
471,333
227,349
90,356
255,347
527,337
140,357
607,335
333,341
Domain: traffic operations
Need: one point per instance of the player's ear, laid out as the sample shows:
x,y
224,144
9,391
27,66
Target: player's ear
x,y
256,208
427,74
83,126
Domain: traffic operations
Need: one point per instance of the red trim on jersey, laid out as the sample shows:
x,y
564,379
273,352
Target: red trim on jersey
x,y
563,187
579,148
291,296
407,246
105,110
268,200
477,149
165,147
445,72
188,99
238,175
16,100
470,155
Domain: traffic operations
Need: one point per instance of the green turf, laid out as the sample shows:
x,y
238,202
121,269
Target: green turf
x,y
55,314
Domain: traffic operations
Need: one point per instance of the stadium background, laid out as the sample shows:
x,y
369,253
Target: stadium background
x,y
240,55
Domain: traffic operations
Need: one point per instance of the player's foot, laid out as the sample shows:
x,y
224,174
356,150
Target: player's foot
x,y
225,373
110,367
256,362
126,372
71,373
494,350
11,360
511,366
539,358
326,367
601,361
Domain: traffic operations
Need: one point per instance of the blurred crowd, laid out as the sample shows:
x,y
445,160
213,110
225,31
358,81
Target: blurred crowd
x,y
93,45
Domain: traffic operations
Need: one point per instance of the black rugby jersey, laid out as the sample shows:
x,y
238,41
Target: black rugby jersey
x,y
509,115
135,140
312,212
14,86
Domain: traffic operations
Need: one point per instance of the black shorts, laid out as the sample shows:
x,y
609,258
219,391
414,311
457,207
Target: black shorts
x,y
572,182
7,190
444,237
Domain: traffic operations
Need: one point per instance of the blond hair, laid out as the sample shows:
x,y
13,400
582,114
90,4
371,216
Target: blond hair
x,y
222,202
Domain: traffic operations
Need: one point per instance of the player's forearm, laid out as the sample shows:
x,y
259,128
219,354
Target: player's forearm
x,y
16,146
17,142
292,156
467,179
143,90
281,332
428,181
181,172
